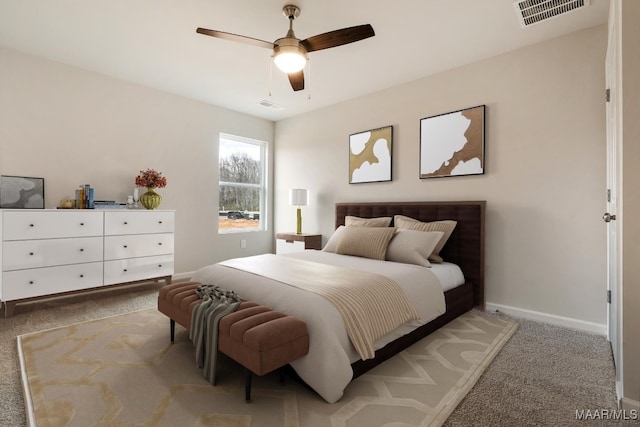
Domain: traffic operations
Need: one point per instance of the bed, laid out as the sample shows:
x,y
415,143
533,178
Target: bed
x,y
332,361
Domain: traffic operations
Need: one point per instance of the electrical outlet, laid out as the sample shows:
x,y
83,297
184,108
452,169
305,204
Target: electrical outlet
x,y
243,244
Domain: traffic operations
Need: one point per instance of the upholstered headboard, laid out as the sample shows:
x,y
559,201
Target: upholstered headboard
x,y
465,247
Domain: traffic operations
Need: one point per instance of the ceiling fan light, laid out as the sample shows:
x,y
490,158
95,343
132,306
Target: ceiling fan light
x,y
289,56
290,62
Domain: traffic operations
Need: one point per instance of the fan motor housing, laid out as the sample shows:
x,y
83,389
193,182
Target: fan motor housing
x,y
289,45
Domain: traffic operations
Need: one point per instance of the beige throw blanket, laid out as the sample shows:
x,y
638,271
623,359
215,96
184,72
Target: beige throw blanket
x,y
371,305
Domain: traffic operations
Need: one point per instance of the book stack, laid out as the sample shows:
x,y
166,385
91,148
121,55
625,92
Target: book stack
x,y
84,197
108,204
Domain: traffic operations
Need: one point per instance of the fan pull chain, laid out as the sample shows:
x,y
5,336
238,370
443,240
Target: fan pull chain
x,y
270,74
309,95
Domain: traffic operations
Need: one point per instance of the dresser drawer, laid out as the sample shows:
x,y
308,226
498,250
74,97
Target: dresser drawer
x,y
134,246
22,254
129,270
50,280
138,222
50,224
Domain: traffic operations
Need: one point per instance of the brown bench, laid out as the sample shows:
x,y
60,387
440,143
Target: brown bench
x,y
260,339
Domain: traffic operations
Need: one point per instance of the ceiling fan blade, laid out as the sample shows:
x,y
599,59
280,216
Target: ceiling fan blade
x,y
338,37
235,38
297,80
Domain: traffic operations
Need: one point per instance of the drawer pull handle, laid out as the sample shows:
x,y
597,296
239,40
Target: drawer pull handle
x,y
160,265
160,244
81,276
31,225
125,246
125,223
125,270
31,282
30,253
81,249
159,222
82,223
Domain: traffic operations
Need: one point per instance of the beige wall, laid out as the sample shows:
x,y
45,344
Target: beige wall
x,y
74,127
545,169
630,35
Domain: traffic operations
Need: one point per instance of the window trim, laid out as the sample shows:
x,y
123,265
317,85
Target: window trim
x,y
262,187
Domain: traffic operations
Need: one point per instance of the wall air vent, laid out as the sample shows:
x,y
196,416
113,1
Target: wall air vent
x,y
271,105
533,11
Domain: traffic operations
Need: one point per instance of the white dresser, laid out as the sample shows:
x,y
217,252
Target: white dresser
x,y
46,252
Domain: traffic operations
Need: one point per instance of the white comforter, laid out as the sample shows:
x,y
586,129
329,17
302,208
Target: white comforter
x,y
327,366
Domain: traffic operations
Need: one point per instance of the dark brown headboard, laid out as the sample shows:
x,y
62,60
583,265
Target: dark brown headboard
x,y
465,247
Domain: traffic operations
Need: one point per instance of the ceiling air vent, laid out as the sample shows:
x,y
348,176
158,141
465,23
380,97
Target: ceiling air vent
x,y
271,105
533,11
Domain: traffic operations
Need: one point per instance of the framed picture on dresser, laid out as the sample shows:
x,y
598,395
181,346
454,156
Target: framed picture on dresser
x,y
21,192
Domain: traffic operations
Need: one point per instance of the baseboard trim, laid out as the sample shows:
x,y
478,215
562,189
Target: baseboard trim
x,y
553,319
629,404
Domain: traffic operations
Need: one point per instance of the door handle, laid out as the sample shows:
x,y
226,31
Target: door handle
x,y
607,217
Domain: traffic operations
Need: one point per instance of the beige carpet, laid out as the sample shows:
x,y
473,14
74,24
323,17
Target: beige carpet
x,y
123,370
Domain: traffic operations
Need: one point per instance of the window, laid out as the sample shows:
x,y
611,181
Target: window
x,y
242,163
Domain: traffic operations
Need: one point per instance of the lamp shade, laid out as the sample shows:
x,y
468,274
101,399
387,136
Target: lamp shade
x,y
298,197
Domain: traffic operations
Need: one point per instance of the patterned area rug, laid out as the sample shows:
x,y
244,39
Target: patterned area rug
x,y
123,370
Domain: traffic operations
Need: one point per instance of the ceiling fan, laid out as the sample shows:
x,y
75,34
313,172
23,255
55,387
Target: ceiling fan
x,y
289,52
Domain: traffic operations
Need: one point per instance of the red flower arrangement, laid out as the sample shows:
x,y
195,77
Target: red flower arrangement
x,y
151,179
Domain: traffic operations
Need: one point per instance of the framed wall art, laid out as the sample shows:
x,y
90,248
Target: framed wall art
x,y
370,155
21,192
452,144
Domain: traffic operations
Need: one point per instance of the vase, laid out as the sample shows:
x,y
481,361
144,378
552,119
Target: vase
x,y
150,199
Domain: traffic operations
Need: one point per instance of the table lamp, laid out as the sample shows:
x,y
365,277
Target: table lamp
x,y
298,197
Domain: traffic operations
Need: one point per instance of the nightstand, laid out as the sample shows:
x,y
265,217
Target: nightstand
x,y
292,242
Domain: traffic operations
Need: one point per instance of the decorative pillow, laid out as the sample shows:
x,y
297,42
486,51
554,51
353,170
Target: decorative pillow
x,y
413,246
383,221
332,244
366,242
445,226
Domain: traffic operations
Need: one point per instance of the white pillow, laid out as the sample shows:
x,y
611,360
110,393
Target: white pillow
x,y
413,246
446,226
332,244
382,221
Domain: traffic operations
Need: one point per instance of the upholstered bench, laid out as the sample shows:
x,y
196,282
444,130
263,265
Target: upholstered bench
x,y
259,338
177,301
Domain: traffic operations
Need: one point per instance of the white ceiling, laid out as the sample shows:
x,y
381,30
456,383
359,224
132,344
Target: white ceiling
x,y
154,43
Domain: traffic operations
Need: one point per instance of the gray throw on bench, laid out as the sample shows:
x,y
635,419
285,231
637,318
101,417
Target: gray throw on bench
x,y
216,303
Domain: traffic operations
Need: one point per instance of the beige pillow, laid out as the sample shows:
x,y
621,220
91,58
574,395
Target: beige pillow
x,y
332,244
383,221
445,226
413,246
366,242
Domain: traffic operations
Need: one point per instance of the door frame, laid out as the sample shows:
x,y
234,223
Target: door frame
x,y
613,70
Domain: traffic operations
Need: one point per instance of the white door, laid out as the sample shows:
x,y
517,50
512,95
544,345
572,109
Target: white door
x,y
613,156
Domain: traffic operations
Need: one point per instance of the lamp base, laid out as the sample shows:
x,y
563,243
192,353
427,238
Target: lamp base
x,y
299,221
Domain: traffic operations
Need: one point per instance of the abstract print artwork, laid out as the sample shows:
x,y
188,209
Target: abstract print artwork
x,y
21,192
452,143
370,155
